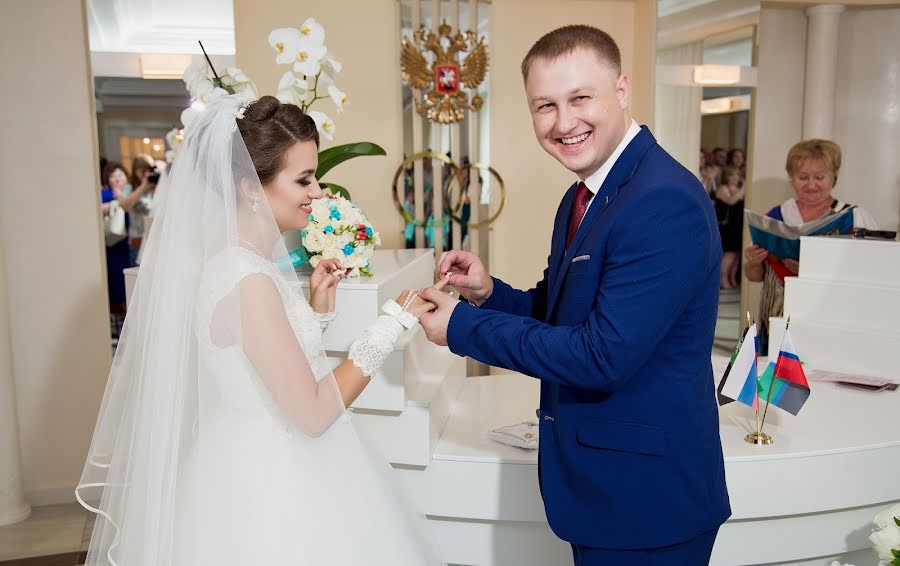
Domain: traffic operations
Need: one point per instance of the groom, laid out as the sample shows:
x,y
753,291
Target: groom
x,y
619,329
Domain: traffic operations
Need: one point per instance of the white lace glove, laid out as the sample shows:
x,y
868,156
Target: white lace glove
x,y
370,350
325,318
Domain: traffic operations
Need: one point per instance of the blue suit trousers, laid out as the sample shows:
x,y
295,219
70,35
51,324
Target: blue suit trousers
x,y
694,552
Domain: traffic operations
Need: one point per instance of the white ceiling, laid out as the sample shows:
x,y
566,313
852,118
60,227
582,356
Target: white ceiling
x,y
711,21
161,26
175,26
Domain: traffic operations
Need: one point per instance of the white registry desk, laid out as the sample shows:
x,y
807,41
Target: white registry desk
x,y
809,497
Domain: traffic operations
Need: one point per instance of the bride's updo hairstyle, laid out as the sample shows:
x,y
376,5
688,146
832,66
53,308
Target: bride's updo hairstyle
x,y
269,129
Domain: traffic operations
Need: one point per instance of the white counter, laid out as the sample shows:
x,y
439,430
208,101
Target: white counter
x,y
810,495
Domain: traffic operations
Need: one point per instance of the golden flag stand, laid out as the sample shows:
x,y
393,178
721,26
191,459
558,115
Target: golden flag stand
x,y
759,437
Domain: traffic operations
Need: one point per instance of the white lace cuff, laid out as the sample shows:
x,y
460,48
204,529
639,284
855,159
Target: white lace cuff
x,y
325,318
370,351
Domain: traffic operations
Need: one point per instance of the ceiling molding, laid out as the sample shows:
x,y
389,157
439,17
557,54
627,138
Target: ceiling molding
x,y
702,21
158,26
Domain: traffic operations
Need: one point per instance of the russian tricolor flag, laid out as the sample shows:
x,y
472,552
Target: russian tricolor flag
x,y
790,390
740,380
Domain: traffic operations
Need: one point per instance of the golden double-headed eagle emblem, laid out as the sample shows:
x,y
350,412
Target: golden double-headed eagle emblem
x,y
445,102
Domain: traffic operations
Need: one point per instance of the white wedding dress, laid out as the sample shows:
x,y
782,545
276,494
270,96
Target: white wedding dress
x,y
201,457
256,490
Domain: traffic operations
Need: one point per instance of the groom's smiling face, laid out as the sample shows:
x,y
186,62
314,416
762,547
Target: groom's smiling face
x,y
578,108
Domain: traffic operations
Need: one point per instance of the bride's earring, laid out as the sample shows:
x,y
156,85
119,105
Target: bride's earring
x,y
255,207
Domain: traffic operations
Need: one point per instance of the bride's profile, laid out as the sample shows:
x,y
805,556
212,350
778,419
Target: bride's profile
x,y
223,436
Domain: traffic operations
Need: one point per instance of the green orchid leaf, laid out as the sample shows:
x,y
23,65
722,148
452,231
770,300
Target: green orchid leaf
x,y
897,521
333,156
336,190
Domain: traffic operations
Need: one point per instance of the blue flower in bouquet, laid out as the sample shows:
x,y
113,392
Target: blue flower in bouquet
x,y
338,230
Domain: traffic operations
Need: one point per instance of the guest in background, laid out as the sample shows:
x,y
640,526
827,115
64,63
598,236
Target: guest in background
x,y
702,166
711,175
720,156
117,255
144,176
737,160
729,204
813,167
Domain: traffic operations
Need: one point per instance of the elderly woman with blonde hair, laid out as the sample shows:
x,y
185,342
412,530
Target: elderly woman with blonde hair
x,y
813,167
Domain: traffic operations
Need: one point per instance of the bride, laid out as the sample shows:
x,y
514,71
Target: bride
x,y
223,437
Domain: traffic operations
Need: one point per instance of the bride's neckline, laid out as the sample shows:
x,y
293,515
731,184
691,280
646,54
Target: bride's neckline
x,y
251,248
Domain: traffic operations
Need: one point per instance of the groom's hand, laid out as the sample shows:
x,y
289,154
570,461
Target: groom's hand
x,y
467,274
435,322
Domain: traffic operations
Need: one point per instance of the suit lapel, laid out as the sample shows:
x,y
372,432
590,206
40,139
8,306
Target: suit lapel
x,y
620,174
560,228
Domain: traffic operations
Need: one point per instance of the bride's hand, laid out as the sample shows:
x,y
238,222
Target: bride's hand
x,y
419,306
323,285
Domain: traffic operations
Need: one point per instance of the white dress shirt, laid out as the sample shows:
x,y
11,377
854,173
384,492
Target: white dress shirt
x,y
595,181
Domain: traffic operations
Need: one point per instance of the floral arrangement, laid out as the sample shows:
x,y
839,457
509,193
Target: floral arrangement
x,y
310,79
174,138
338,229
885,538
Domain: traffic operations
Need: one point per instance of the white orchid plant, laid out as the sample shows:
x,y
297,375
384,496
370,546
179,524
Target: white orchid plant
x,y
885,538
313,68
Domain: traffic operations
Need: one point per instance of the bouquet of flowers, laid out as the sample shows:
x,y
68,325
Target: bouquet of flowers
x,y
338,230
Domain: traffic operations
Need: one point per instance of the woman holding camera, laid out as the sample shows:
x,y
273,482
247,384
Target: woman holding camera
x,y
144,177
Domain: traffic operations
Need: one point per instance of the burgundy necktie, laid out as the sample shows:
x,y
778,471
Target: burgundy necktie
x,y
582,196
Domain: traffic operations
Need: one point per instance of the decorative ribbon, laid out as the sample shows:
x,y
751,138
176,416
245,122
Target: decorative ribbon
x,y
405,318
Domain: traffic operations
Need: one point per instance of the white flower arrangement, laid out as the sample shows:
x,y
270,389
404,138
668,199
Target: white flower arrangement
x,y
338,230
305,50
205,85
349,237
174,138
885,538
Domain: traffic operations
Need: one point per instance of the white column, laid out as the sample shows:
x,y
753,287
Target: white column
x,y
13,507
677,118
823,23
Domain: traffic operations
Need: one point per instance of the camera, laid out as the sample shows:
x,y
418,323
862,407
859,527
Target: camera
x,y
154,176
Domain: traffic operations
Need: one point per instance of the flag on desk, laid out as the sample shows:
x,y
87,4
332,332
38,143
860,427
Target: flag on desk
x,y
740,380
790,390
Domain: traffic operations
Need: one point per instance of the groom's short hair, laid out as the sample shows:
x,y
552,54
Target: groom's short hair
x,y
567,39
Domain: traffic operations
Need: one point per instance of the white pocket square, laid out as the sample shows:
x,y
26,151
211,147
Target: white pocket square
x,y
581,258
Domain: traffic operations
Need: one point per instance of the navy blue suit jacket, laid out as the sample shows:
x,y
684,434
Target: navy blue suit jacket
x,y
630,455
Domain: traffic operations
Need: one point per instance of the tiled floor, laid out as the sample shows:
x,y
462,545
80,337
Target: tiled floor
x,y
53,535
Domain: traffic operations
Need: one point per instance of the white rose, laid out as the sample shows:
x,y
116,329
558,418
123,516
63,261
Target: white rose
x,y
320,209
314,260
885,539
886,517
314,241
332,253
330,242
353,272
